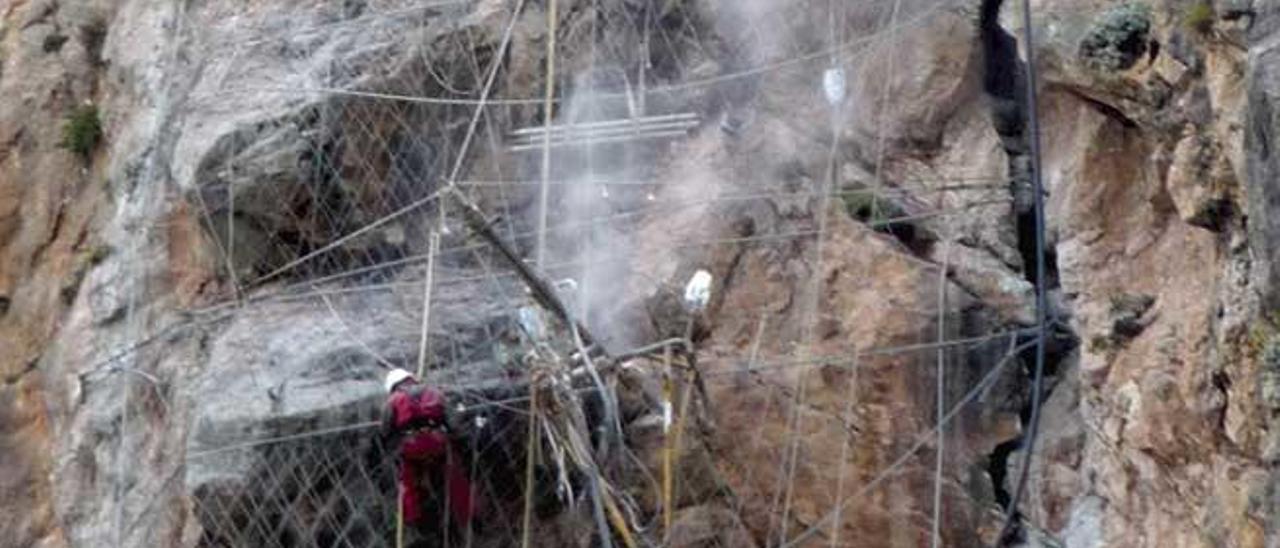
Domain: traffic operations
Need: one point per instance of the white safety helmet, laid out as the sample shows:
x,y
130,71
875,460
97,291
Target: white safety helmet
x,y
395,377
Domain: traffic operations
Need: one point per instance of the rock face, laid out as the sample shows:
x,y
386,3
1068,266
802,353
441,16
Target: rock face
x,y
52,204
1149,211
230,264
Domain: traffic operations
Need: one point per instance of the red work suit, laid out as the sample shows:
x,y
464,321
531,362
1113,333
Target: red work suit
x,y
415,415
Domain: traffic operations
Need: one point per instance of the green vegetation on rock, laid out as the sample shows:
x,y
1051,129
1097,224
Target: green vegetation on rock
x,y
863,205
1117,38
82,130
1199,18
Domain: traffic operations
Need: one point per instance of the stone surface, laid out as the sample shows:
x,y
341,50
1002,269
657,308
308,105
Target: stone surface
x,y
699,526
1200,178
50,206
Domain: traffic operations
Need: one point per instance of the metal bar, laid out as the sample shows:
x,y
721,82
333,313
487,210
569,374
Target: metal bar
x,y
544,196
607,132
530,452
661,135
624,122
941,395
433,248
537,133
668,404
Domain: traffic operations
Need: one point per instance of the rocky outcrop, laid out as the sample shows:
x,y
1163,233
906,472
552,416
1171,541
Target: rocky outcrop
x,y
1148,214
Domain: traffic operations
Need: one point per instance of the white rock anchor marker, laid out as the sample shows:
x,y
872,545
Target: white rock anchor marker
x,y
698,291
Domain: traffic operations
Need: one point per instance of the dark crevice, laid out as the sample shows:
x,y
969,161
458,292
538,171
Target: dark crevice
x,y
92,37
1026,226
1222,384
998,468
53,42
914,238
891,219
1003,83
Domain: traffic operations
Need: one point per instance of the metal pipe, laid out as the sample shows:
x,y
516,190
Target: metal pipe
x,y
606,132
619,139
607,123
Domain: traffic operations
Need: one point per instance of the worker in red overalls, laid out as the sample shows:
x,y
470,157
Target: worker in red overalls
x,y
429,467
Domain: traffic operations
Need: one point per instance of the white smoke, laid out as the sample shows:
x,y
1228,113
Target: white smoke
x,y
598,190
603,191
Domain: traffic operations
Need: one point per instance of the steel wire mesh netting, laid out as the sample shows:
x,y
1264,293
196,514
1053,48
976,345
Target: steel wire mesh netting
x,y
328,207
339,489
313,492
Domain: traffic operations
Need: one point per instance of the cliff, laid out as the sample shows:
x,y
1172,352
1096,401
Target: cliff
x,y
215,227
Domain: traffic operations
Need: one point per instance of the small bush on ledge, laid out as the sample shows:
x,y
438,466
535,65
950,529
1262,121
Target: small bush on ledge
x,y
1117,38
1199,18
82,130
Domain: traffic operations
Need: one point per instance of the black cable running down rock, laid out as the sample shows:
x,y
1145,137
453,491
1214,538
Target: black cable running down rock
x,y
1041,267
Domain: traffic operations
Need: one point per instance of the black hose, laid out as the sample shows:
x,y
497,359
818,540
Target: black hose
x,y
1033,426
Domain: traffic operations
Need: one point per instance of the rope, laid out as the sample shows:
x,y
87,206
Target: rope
x,y
668,403
434,247
846,418
530,453
399,516
941,397
544,193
